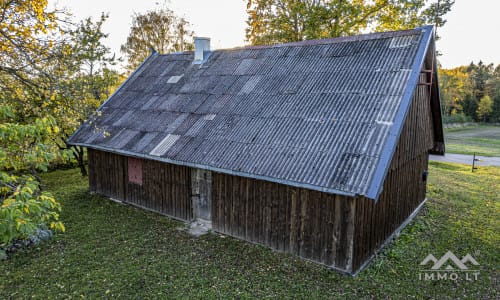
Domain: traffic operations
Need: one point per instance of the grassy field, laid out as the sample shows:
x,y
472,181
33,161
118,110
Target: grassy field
x,y
482,140
117,251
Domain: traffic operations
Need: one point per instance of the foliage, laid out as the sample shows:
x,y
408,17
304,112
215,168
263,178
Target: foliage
x,y
84,80
27,38
28,35
164,262
278,21
160,30
24,42
25,146
463,88
480,74
455,85
61,71
485,108
23,207
456,118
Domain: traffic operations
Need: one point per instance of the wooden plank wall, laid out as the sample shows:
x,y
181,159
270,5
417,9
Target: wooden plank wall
x,y
404,188
166,188
307,223
107,174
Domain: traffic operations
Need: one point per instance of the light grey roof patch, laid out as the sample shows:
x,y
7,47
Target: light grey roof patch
x,y
400,42
319,114
174,79
164,145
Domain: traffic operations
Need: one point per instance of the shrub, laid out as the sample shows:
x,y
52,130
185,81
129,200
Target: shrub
x,y
24,208
24,150
457,118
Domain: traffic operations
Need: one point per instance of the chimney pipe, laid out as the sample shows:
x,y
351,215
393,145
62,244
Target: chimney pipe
x,y
201,49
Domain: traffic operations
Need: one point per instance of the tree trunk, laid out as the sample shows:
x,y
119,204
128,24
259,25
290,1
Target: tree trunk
x,y
79,153
34,173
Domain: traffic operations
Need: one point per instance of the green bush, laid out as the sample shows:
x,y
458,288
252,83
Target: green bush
x,y
25,149
457,118
24,208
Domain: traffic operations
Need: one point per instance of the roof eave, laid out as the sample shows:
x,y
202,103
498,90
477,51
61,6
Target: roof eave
x,y
219,170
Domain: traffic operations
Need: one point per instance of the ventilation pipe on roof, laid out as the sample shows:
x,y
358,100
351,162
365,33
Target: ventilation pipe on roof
x,y
201,49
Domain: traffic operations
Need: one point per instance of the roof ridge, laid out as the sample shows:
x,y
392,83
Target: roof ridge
x,y
342,39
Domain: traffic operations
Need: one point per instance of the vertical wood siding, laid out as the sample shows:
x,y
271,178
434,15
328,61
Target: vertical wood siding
x,y
165,187
107,174
307,223
404,187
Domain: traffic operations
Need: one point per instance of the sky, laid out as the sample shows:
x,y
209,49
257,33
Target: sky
x,y
470,34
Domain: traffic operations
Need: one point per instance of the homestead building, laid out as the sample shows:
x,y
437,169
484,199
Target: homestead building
x,y
317,148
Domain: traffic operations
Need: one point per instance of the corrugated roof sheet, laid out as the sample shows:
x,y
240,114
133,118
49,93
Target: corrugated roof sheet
x,y
316,114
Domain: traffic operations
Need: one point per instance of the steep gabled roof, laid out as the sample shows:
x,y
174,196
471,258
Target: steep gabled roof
x,y
324,115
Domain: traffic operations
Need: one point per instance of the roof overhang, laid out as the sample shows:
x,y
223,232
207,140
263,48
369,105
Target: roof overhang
x,y
382,168
219,170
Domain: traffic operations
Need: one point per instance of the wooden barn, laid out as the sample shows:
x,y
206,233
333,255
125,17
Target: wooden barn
x,y
317,148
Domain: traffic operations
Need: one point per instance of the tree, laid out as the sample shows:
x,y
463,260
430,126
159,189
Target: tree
x,y
485,108
84,80
480,74
27,37
67,80
493,85
495,115
470,105
279,21
406,14
464,88
160,30
455,85
52,79
27,31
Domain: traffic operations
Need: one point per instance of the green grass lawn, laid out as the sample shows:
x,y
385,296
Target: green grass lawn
x,y
115,251
482,140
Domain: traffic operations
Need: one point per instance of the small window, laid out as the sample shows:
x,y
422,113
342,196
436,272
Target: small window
x,y
134,170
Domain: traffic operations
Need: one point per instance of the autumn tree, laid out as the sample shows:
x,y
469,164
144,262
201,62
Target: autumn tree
x,y
472,90
160,30
23,36
480,76
27,35
455,85
279,21
54,74
25,129
485,108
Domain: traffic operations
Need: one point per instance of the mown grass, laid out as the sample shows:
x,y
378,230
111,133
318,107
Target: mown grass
x,y
117,251
482,140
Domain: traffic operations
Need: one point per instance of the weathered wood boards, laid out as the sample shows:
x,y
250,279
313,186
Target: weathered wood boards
x,y
307,223
165,188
